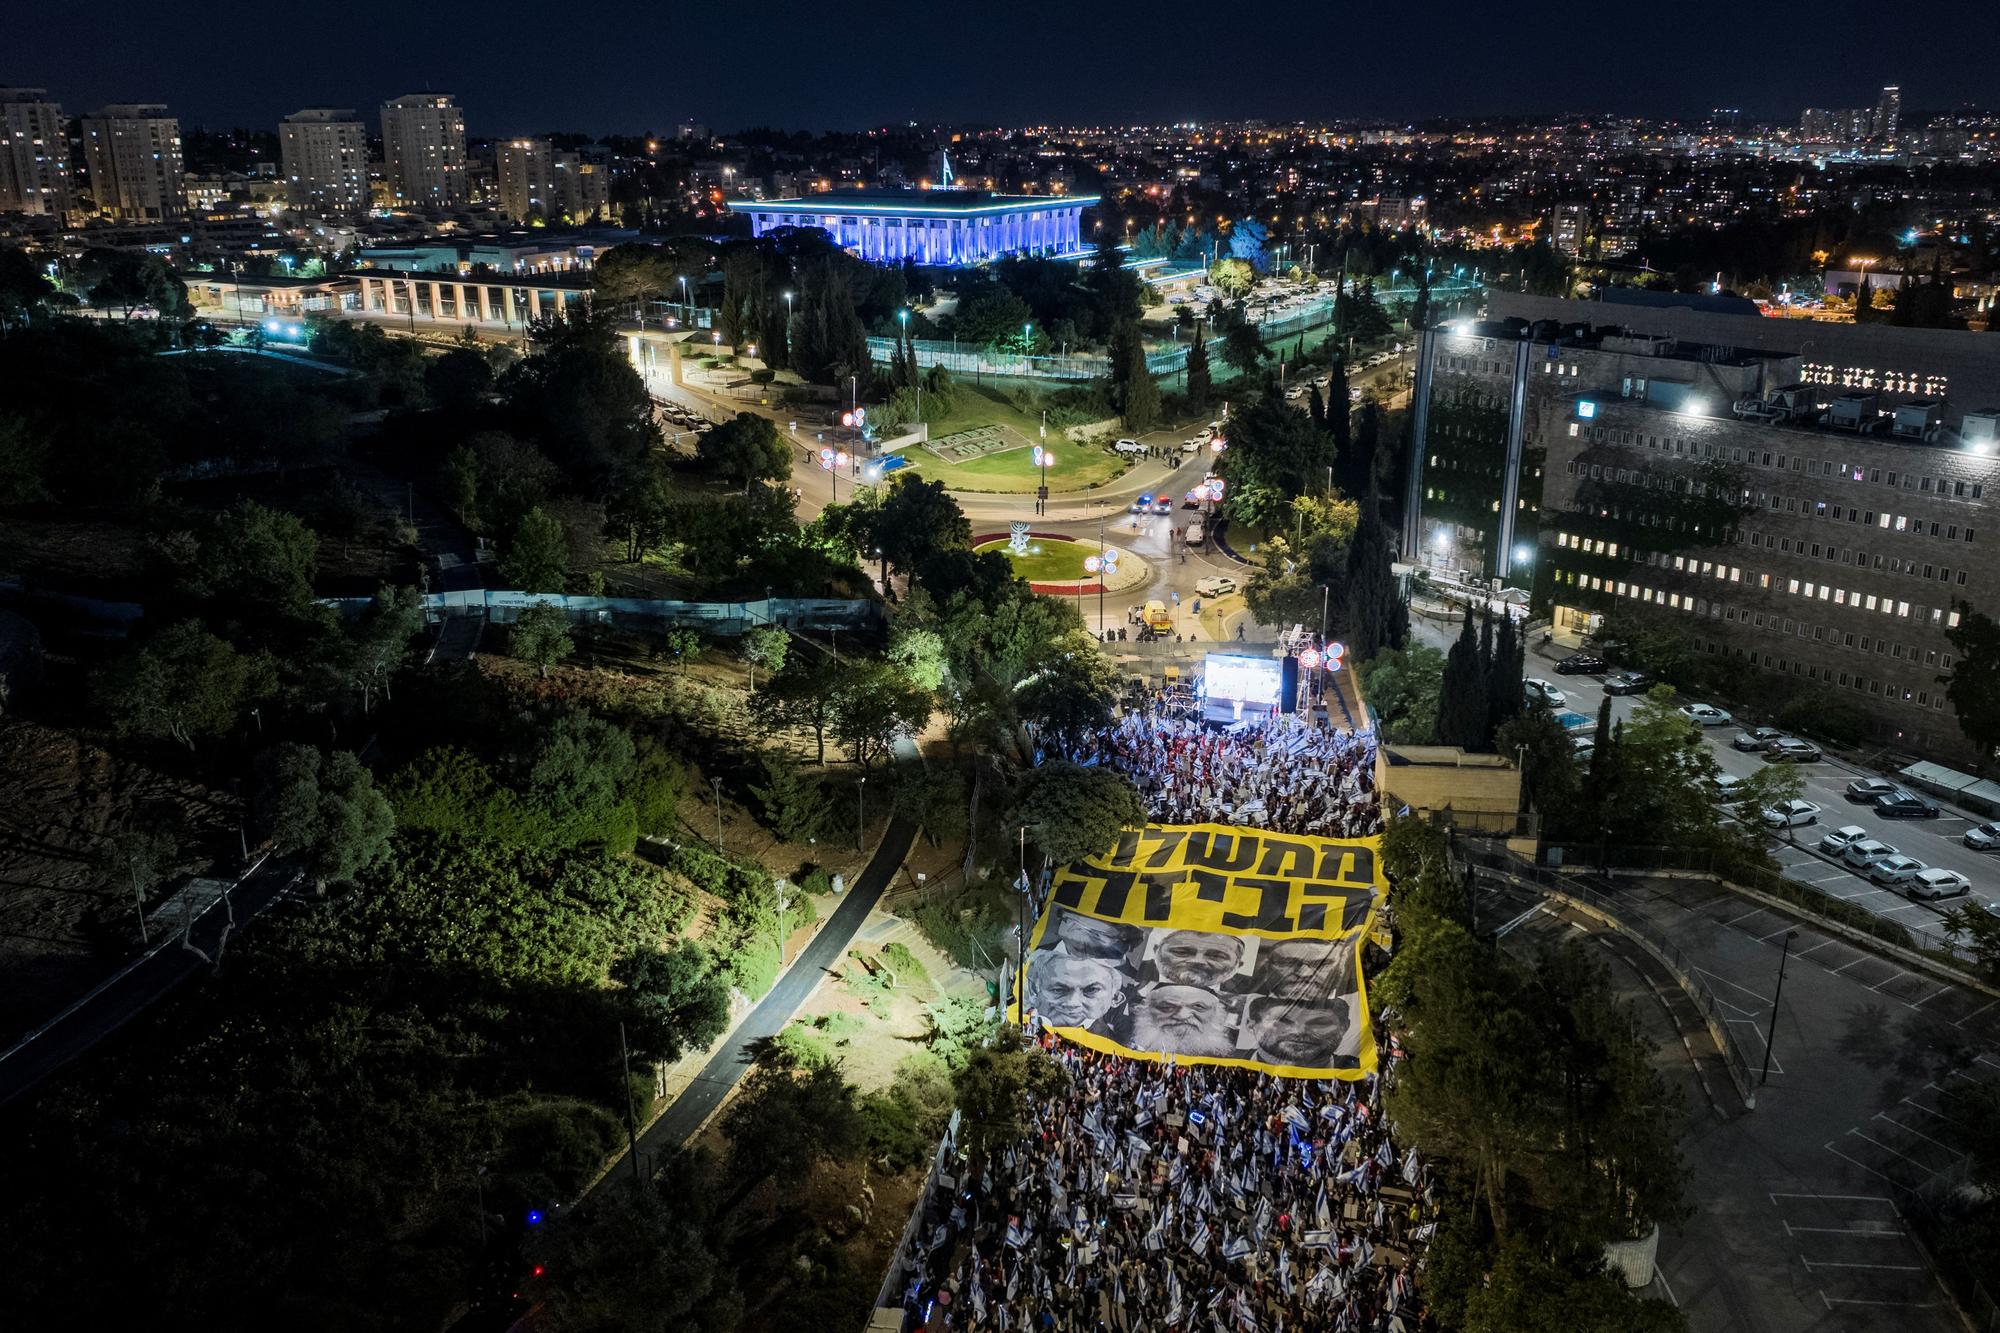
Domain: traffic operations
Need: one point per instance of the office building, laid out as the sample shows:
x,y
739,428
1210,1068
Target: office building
x,y
133,153
324,157
423,151
34,155
1793,527
931,226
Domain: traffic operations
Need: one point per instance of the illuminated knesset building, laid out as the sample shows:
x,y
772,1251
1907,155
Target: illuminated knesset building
x,y
932,226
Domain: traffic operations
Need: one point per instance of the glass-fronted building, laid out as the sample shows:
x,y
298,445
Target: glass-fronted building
x,y
931,226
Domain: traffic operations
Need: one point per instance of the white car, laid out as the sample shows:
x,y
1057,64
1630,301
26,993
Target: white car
x,y
1215,586
1838,841
1790,814
1890,871
1541,691
1193,446
1705,715
1935,884
1129,447
1983,837
1864,852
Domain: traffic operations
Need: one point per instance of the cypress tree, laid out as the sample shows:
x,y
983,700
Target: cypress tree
x,y
1503,679
1462,696
1486,674
1373,614
1316,407
1199,386
1339,410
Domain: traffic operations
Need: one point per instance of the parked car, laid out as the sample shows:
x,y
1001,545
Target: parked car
x,y
1889,871
1864,852
1935,884
1194,445
1584,746
1540,691
1216,585
1755,738
1628,682
1129,447
1791,750
1578,664
1983,837
1790,814
1725,786
1838,841
1706,715
1864,791
1902,804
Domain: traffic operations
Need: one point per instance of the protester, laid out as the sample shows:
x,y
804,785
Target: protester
x,y
1150,1197
1271,773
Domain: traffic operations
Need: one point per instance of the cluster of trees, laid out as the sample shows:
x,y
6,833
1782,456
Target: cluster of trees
x,y
1480,691
1534,1089
1059,304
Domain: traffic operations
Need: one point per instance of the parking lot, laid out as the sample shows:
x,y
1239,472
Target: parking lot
x,y
1935,842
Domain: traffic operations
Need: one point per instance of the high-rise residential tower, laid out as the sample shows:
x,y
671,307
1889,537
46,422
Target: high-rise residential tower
x,y
133,152
324,153
423,150
34,154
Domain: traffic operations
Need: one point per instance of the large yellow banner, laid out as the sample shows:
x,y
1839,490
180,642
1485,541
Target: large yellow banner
x,y
1213,944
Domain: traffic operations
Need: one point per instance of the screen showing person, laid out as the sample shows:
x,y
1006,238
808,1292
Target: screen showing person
x,y
1074,992
1089,937
1306,1034
1252,680
1200,958
1183,1020
1303,969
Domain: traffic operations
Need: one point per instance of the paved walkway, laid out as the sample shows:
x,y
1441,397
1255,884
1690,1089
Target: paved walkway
x,y
685,1116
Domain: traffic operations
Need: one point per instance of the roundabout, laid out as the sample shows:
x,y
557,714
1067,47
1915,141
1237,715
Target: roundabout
x,y
1055,563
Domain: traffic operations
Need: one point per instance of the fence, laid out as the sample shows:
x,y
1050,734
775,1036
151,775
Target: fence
x,y
976,361
1495,860
892,1281
715,617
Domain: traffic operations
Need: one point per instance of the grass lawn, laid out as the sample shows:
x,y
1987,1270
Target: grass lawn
x,y
1076,466
1056,562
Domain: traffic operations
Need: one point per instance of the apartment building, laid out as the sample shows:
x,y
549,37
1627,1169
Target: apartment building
x,y
423,151
323,154
133,153
34,155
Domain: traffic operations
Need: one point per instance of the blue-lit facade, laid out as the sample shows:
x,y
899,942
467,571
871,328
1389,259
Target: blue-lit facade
x,y
931,226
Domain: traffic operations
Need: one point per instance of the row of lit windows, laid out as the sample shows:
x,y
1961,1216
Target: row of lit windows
x,y
1887,564
1909,481
1888,522
1867,377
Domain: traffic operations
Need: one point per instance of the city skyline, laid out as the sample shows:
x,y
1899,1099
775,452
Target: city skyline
x,y
890,64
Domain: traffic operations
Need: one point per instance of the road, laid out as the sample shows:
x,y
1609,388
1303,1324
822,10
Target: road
x,y
124,995
1936,842
1802,1206
685,1116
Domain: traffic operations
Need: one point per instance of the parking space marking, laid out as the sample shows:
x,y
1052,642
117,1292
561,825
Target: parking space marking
x,y
1745,917
1889,1233
1891,1268
1517,921
1928,1171
1861,958
1884,1115
1844,1198
1863,1165
1898,976
1832,1301
1975,1013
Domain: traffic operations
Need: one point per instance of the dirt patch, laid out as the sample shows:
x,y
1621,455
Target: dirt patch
x,y
61,908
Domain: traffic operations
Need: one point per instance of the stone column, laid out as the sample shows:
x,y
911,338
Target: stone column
x,y
485,303
507,303
534,303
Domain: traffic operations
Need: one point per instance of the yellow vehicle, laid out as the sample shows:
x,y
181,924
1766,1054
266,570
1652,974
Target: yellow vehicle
x,y
1158,618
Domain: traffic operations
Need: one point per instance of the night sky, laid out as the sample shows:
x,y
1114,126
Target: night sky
x,y
518,67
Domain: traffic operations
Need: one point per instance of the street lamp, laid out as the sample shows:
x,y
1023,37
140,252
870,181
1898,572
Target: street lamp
x,y
831,461
1043,461
1771,1028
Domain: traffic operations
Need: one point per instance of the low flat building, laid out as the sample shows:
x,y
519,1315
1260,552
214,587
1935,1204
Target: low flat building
x,y
946,227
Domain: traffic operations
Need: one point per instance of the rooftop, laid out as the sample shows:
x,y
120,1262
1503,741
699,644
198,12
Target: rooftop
x,y
912,201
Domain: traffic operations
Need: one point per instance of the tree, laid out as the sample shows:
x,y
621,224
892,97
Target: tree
x,y
765,646
1242,346
874,706
536,556
681,645
1504,674
1132,386
1074,812
1551,779
577,778
186,685
1526,1292
24,455
1973,683
1770,787
258,562
830,342
784,1122
1232,277
1403,686
325,811
641,512
793,802
675,1000
1339,412
381,640
918,518
746,448
541,637
1462,700
1374,615
640,1258
459,380
998,1088
1978,932
1199,385
1070,698
582,400
799,696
